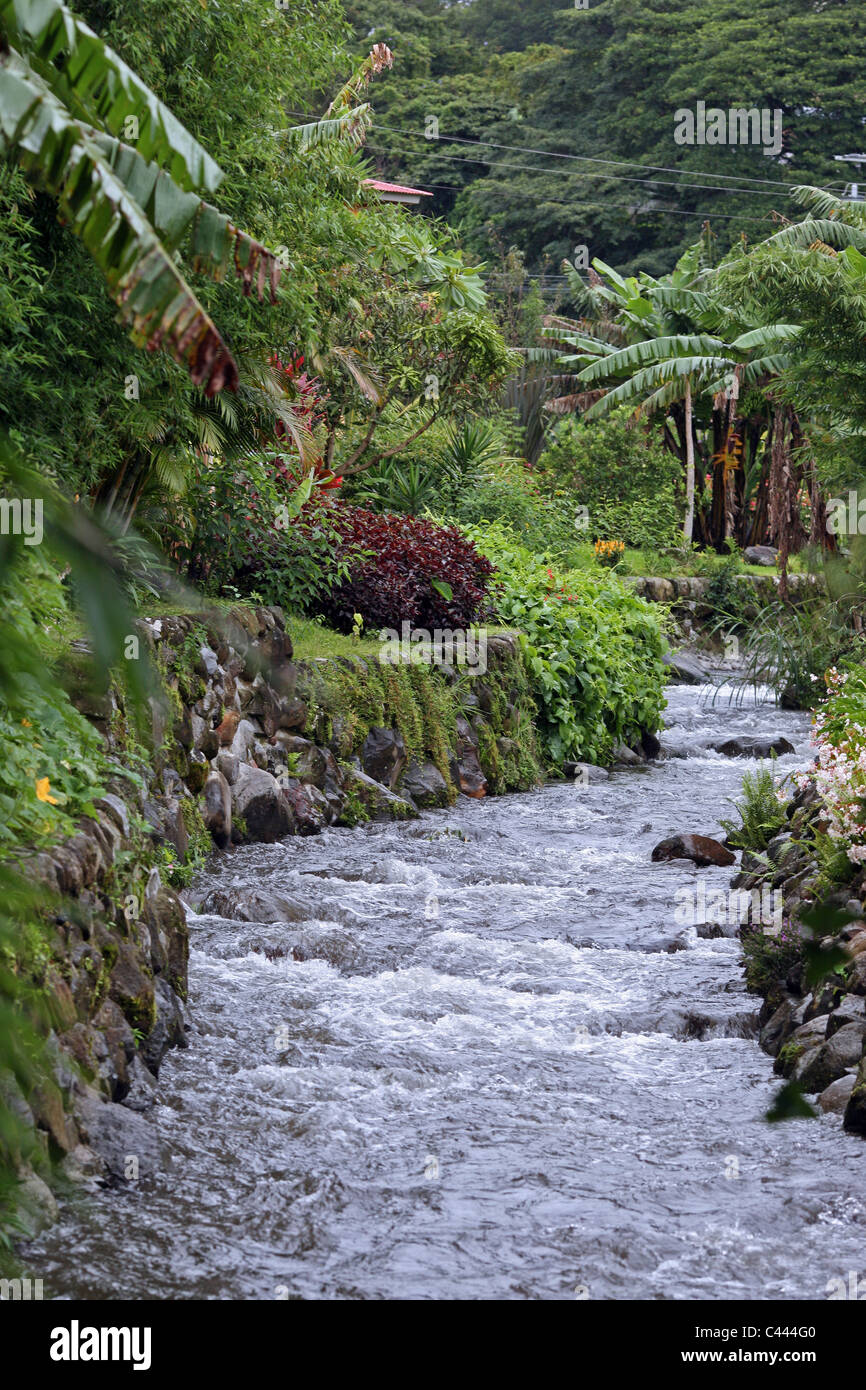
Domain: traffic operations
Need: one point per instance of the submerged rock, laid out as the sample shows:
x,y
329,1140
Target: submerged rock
x,y
751,746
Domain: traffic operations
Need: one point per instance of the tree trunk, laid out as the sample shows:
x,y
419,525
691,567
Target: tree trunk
x,y
688,524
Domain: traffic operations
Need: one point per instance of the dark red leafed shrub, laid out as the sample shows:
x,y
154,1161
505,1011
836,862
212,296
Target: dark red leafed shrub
x,y
396,580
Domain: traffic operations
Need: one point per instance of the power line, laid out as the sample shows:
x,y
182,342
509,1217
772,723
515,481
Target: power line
x,y
649,212
627,178
585,158
557,154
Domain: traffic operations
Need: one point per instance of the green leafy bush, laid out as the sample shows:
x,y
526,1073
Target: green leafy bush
x,y
53,763
622,473
768,959
245,529
593,650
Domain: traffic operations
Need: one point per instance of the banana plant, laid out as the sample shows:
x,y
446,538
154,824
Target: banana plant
x,y
670,349
128,179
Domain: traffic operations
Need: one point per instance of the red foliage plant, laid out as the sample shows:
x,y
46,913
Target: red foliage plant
x,y
393,563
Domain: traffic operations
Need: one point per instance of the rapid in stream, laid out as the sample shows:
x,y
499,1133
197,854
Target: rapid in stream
x,y
469,1063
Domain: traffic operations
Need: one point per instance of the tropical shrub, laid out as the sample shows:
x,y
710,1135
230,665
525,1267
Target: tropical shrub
x,y
840,774
621,474
254,529
511,494
593,649
404,569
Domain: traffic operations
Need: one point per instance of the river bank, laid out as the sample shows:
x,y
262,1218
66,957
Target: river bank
x,y
815,1028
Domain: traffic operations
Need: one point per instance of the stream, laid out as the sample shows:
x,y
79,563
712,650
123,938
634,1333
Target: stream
x,y
480,1060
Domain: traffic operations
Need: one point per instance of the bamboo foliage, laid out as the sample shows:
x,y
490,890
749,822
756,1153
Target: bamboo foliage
x,y
65,99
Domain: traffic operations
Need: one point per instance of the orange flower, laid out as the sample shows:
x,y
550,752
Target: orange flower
x,y
25,723
43,791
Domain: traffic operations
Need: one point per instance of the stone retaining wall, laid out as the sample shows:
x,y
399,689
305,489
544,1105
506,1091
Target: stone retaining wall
x,y
245,744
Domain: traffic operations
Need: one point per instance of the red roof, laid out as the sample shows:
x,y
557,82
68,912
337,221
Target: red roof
x,y
382,187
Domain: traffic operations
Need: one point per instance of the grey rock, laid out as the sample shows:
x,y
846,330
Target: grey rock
x,y
426,785
383,756
777,1028
228,765
208,663
217,808
119,1135
760,555
380,804
585,772
833,1059
258,798
685,669
116,809
170,1029
851,1008
141,1095
309,806
835,1097
37,1206
243,740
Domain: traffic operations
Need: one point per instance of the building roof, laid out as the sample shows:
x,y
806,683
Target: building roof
x,y
382,187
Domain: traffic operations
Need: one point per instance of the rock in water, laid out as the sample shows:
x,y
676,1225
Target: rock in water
x,y
701,849
748,746
426,785
686,670
258,799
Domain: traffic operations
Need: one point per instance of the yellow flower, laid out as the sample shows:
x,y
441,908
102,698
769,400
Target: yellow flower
x,y
43,791
25,724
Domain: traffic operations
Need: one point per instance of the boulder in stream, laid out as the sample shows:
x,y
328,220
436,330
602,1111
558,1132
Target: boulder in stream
x,y
751,746
685,669
258,798
426,785
701,849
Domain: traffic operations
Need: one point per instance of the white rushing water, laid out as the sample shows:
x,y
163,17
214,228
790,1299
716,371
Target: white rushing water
x,y
471,1064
